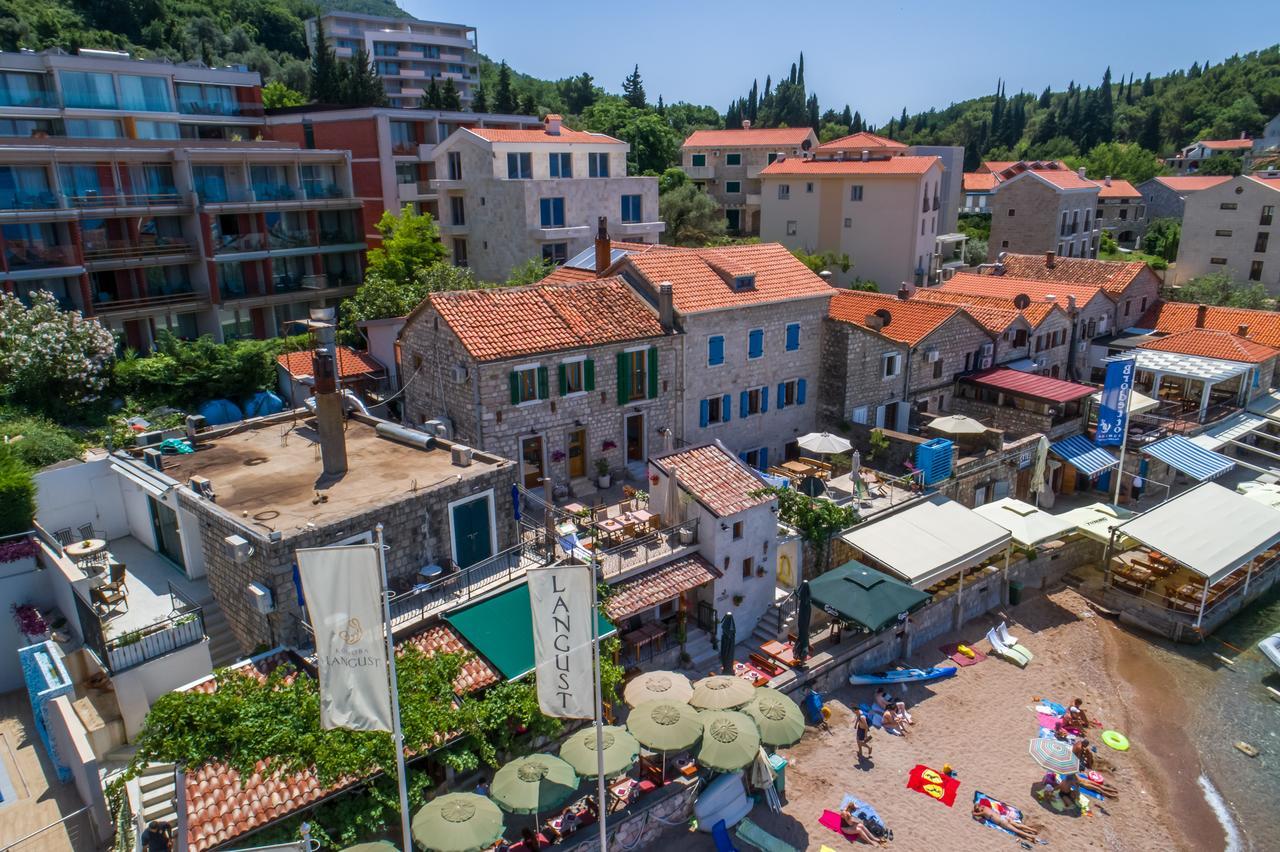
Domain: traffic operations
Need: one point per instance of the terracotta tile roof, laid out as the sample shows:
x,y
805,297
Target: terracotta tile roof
x,y
714,477
859,141
1111,275
980,181
911,320
351,363
1193,183
1007,287
1227,144
495,323
1171,317
1207,343
1055,172
995,315
1065,180
494,134
890,166
1271,180
1117,189
659,586
788,136
441,639
698,286
1029,384
567,274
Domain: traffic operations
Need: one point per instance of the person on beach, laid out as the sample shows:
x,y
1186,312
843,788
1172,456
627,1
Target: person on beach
x,y
1095,782
1076,717
1082,751
981,812
901,707
1066,787
883,698
862,732
852,826
893,723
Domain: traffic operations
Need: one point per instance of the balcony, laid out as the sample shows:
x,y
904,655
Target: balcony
x,y
274,192
327,190
19,201
97,200
641,229
172,295
108,251
564,232
409,191
220,108
21,257
410,72
291,239
639,554
340,237
700,172
460,585
752,199
445,184
405,148
29,100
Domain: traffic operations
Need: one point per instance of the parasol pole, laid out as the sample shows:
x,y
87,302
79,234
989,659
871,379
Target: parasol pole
x,y
396,733
601,792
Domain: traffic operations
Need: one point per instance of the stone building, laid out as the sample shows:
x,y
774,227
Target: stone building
x,y
1166,197
1015,333
1188,160
559,376
1121,212
1228,228
1133,285
1042,206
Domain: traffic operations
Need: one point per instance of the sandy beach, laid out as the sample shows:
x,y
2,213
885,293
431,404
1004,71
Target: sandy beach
x,y
980,722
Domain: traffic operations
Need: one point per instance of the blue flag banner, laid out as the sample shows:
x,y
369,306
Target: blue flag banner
x,y
1113,413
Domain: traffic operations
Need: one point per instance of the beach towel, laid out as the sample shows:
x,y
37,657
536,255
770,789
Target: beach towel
x,y
720,835
1000,808
861,809
953,653
1047,720
748,832
933,784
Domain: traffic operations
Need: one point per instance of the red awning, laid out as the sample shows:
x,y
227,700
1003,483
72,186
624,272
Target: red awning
x,y
1030,385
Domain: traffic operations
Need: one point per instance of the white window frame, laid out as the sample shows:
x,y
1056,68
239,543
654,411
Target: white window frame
x,y
534,368
792,227
890,357
487,494
580,362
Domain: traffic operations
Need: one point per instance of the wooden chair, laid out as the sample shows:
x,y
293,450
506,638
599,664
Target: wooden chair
x,y
117,581
87,532
105,599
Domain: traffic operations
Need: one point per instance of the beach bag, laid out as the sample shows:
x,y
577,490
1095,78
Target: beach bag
x,y
873,824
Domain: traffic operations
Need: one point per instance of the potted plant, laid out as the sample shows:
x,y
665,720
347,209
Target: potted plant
x,y
639,498
737,600
603,478
878,444
30,622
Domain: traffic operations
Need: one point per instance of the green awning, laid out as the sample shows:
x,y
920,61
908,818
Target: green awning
x,y
501,629
854,592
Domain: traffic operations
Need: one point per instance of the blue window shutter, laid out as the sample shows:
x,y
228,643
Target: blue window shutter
x,y
724,407
764,399
755,343
764,458
800,392
715,350
743,402
793,336
782,395
742,457
704,413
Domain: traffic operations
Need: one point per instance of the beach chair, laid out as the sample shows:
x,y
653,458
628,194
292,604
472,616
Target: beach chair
x,y
748,832
1016,654
720,835
1003,632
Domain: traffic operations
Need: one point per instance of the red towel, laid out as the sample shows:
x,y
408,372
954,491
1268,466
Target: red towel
x,y
953,653
933,784
831,820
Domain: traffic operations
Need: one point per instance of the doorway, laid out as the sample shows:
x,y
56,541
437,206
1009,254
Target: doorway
x,y
473,534
733,220
164,522
634,430
577,453
531,461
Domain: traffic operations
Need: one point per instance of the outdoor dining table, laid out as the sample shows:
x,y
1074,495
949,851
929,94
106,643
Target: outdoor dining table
x,y
797,467
783,653
88,550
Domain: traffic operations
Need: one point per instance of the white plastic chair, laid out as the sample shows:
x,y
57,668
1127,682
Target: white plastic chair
x,y
1003,632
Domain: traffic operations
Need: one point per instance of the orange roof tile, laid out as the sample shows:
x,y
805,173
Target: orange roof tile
x,y
1207,343
1271,180
995,315
1007,287
1055,172
858,141
996,166
1193,183
1169,317
1111,275
567,274
441,639
911,320
697,285
540,136
495,323
789,136
1227,144
1117,189
659,586
715,478
1064,180
890,166
980,181
351,363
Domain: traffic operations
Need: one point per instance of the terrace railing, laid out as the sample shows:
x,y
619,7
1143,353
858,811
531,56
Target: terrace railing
x,y
456,587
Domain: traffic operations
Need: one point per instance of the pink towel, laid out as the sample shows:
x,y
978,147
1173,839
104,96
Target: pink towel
x,y
831,820
1047,720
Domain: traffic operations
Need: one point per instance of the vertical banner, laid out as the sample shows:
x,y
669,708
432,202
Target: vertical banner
x,y
343,589
1113,413
560,600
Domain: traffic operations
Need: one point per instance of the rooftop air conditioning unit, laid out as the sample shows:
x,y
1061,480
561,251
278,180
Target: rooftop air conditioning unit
x,y
933,356
458,373
438,427
461,456
153,458
260,599
988,349
238,549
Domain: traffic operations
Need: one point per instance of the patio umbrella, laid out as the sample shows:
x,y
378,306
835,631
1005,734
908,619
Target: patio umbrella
x,y
620,751
1038,481
804,614
778,718
730,740
457,822
824,443
812,486
657,686
665,725
533,784
721,692
728,639
375,846
957,424
1054,755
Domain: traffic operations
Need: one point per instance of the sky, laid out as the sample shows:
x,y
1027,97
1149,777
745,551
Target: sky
x,y
877,59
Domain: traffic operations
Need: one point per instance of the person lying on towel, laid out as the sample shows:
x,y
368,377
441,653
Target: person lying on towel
x,y
985,811
854,827
1091,780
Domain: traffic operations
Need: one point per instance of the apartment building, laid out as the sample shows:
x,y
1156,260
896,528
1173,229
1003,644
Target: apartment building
x,y
1121,212
173,221
1042,206
1132,285
392,149
726,164
1166,197
1188,160
406,53
1228,228
510,195
1024,339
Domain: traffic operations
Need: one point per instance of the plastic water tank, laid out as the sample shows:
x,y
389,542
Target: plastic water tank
x,y
933,458
262,404
724,799
218,412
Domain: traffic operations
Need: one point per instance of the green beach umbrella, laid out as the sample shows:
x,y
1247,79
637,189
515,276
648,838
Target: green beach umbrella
x,y
375,846
779,718
533,784
657,686
1054,755
730,740
665,725
721,692
620,751
457,822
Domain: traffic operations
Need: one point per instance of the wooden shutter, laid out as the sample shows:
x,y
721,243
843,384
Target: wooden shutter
x,y
704,413
589,374
624,379
744,403
764,399
515,387
653,372
562,371
543,390
800,392
724,408
782,395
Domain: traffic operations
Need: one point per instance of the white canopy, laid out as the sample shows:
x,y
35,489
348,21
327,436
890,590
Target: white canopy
x,y
824,443
929,541
1028,525
1195,367
1097,520
1266,493
1233,428
1139,403
1209,529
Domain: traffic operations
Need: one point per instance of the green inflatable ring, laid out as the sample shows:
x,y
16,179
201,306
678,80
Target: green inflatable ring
x,y
1116,740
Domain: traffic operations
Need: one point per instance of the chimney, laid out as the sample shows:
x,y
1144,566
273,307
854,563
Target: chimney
x,y
866,155
1080,171
1050,298
603,247
1201,312
552,122
1107,180
873,322
329,419
1048,260
666,306
1242,330
746,124
1071,305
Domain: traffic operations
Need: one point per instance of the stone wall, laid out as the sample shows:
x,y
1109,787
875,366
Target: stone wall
x,y
959,342
852,373
643,824
1016,422
1035,224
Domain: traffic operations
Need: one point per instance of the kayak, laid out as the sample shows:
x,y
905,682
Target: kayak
x,y
903,676
1270,647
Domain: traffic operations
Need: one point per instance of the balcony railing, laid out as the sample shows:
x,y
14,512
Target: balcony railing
x,y
41,200
339,238
329,190
30,256
163,198
218,108
102,250
241,242
456,587
105,303
43,100
291,238
404,149
183,628
274,192
641,552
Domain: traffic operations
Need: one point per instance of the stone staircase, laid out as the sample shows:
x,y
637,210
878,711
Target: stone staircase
x,y
223,647
157,793
705,658
773,624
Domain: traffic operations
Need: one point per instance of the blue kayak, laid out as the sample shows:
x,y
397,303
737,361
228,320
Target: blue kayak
x,y
903,676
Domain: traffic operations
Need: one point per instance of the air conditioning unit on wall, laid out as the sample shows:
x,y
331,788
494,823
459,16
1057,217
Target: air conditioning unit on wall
x,y
458,373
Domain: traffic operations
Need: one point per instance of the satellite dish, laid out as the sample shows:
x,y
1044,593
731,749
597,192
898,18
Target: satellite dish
x,y
884,315
1021,301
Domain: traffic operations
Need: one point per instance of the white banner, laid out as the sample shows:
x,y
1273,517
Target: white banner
x,y
560,598
343,588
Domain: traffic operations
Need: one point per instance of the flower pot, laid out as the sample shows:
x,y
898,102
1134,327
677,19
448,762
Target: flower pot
x,y
605,480
686,535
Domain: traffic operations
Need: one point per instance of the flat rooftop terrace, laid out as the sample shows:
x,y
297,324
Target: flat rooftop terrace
x,y
272,476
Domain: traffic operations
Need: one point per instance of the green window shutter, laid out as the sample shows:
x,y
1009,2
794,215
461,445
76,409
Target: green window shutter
x,y
653,372
564,380
543,392
589,374
624,379
515,388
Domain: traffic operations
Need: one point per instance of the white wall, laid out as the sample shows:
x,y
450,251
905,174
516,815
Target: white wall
x,y
72,741
760,527
189,532
20,583
137,512
85,493
381,336
138,687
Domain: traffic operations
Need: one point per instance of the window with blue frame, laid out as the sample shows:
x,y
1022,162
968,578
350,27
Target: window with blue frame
x,y
631,208
560,165
598,165
755,343
715,350
552,212
793,336
714,410
519,166
790,393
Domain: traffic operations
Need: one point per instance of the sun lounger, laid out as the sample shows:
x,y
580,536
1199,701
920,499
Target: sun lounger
x,y
1017,654
1003,632
748,832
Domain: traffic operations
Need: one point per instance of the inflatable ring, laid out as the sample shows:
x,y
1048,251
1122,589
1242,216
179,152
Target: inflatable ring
x,y
826,713
1116,740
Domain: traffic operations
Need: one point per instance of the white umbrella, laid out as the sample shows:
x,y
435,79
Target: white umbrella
x,y
824,443
672,513
957,424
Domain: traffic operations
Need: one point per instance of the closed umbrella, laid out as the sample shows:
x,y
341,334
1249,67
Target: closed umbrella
x,y
620,751
665,725
1054,755
457,822
824,443
721,692
673,512
728,639
730,740
657,686
957,424
1038,481
804,614
778,718
533,784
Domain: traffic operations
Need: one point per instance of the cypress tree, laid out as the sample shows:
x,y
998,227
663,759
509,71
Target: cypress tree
x,y
800,77
480,99
504,100
846,118
753,102
812,109
856,126
1150,137
633,89
528,106
324,88
361,85
431,100
1106,109
1046,98
449,97
1148,88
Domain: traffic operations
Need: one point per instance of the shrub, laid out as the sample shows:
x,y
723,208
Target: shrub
x,y
17,494
43,441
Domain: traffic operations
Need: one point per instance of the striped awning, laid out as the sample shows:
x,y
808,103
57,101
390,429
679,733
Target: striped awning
x,y
1190,458
1084,455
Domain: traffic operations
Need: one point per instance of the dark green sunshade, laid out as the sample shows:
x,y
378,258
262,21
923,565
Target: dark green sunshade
x,y
501,629
854,592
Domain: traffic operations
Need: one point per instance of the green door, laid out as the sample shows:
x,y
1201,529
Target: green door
x,y
472,526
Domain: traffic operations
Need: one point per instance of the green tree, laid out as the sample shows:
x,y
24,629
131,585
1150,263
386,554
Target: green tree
x,y
324,70
1220,288
1150,135
480,99
824,261
633,89
578,92
1242,116
410,244
692,217
1162,238
449,97
531,271
528,105
361,85
504,99
431,98
654,144
1126,160
51,359
36,441
276,94
380,297
670,179
1219,164
817,521
17,494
